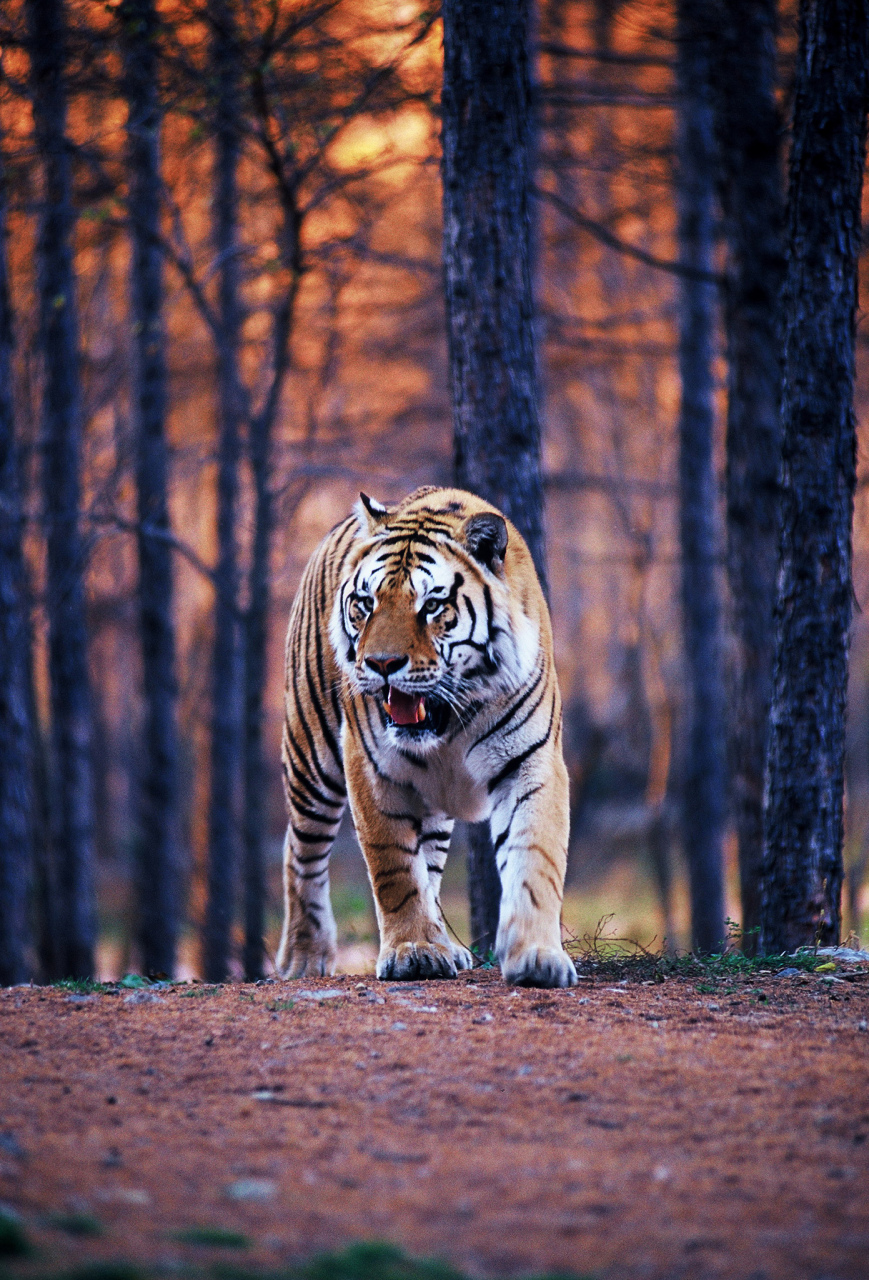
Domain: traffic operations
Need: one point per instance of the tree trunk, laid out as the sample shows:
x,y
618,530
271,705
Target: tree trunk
x,y
255,652
158,858
488,156
743,71
256,617
803,819
16,834
703,807
61,430
45,887
225,728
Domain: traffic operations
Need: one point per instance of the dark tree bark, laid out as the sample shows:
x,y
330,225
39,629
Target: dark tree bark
x,y
45,887
256,616
803,819
159,877
488,157
255,647
703,807
255,640
61,430
743,72
225,727
16,795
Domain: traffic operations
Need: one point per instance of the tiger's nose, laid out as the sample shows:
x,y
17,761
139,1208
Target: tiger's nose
x,y
385,664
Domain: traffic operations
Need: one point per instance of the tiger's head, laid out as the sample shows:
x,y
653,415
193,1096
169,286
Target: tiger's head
x,y
436,611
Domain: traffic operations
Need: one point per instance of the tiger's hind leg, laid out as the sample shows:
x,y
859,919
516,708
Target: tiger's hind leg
x,y
405,849
309,940
434,843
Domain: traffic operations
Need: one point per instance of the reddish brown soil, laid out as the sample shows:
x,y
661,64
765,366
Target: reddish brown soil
x,y
634,1131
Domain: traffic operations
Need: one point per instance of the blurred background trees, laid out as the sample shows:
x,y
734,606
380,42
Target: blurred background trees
x,y
224,250
16,797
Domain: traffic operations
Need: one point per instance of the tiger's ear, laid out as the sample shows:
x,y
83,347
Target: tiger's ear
x,y
485,536
369,513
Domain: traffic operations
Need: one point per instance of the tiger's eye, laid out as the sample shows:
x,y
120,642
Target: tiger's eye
x,y
359,608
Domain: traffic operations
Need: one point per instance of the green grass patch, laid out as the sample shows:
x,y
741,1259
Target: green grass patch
x,y
375,1260
76,1224
219,1237
109,1270
85,986
13,1238
623,959
350,899
354,911
367,1260
199,992
371,1260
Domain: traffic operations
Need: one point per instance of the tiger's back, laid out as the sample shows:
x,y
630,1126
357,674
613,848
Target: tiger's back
x,y
420,683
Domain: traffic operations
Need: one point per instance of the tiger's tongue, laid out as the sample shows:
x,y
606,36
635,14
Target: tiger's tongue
x,y
404,708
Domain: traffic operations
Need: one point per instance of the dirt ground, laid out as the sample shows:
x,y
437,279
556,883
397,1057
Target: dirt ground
x,y
625,1129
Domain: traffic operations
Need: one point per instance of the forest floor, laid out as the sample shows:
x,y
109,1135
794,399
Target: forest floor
x,y
642,1126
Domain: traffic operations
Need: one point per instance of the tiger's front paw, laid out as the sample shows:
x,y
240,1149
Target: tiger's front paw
x,y
308,957
409,960
462,957
539,967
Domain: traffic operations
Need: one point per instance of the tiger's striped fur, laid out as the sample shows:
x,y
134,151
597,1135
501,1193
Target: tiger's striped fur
x,y
421,686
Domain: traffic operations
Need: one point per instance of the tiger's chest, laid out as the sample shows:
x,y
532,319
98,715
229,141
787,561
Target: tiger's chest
x,y
448,777
449,785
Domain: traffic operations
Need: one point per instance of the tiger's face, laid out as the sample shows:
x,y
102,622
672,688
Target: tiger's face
x,y
402,632
421,622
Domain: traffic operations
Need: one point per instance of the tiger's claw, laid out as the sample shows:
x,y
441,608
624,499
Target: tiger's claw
x,y
539,967
462,957
314,960
409,960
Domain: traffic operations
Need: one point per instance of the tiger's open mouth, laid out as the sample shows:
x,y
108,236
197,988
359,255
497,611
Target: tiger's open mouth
x,y
416,715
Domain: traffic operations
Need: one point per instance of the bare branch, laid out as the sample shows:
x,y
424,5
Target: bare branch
x,y
605,236
557,50
579,99
565,481
182,260
136,527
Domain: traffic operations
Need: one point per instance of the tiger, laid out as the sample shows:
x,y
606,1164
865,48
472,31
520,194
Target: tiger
x,y
421,686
